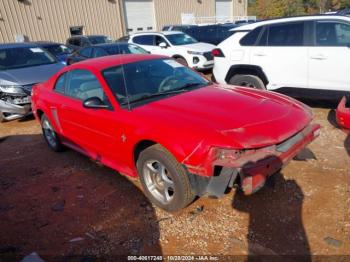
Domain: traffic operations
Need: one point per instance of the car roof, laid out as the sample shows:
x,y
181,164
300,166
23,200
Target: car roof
x,y
46,43
161,33
17,45
252,26
85,36
102,63
111,44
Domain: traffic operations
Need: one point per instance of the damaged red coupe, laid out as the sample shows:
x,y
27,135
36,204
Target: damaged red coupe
x,y
150,117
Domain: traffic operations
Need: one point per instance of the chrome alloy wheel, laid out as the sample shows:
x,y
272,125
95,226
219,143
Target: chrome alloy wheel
x,y
158,181
49,133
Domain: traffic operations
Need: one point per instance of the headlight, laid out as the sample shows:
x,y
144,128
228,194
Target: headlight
x,y
13,90
195,53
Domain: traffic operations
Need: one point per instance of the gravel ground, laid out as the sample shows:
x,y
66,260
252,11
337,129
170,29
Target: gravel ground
x,y
65,204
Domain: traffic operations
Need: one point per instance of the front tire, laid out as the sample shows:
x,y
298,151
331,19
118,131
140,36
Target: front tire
x,y
251,81
164,180
2,117
182,61
50,135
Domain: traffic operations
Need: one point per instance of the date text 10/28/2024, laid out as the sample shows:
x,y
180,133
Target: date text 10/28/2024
x,y
173,258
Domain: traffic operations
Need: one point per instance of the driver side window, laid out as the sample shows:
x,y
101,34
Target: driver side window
x,y
332,34
159,39
82,84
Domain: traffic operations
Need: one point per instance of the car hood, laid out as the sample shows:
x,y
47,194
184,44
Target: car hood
x,y
29,75
199,47
244,117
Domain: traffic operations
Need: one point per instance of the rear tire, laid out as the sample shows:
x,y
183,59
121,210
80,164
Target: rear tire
x,y
164,180
182,61
2,118
251,81
50,135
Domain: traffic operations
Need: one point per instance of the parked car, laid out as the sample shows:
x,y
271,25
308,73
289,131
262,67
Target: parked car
x,y
123,39
343,113
60,51
345,11
301,56
212,34
79,41
150,117
182,47
105,50
21,66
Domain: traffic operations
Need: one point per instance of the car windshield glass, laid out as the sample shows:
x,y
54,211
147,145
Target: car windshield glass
x,y
181,39
21,57
125,49
58,49
151,79
98,40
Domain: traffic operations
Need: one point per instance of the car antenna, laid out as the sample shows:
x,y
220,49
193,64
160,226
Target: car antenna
x,y
124,79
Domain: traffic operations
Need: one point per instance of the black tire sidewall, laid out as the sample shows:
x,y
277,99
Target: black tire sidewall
x,y
2,118
179,201
182,61
254,80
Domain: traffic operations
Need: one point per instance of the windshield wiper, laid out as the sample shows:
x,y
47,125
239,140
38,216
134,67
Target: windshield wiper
x,y
181,89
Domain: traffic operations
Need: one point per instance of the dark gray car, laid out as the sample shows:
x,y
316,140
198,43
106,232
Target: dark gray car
x,y
21,66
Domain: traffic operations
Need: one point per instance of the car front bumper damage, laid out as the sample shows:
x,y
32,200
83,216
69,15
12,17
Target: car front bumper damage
x,y
252,169
13,106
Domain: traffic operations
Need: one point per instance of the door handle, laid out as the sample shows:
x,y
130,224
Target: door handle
x,y
260,54
318,57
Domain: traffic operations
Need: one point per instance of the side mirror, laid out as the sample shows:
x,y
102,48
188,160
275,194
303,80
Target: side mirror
x,y
163,45
94,103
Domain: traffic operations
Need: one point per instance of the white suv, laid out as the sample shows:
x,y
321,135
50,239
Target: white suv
x,y
178,45
301,56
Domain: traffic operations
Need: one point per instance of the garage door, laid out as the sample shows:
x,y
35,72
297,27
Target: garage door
x,y
223,9
139,15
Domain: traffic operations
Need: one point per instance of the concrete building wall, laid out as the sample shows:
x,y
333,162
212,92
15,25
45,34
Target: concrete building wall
x,y
51,19
169,11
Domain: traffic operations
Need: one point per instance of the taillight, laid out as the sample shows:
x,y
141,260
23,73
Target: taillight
x,y
217,52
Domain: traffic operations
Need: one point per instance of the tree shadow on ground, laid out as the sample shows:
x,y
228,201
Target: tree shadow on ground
x,y
333,121
65,205
276,231
347,144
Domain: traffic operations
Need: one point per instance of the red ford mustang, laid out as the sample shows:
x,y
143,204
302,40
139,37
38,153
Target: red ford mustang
x,y
183,136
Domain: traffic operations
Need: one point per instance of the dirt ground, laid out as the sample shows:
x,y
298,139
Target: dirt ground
x,y
63,204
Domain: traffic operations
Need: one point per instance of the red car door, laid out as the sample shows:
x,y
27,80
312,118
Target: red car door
x,y
94,132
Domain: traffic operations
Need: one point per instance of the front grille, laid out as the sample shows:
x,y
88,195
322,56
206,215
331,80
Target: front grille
x,y
208,56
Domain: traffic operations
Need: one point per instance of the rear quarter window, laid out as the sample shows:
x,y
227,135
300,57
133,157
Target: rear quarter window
x,y
60,84
144,40
251,38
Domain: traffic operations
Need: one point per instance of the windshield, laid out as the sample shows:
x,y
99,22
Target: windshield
x,y
181,39
95,40
145,79
21,57
58,49
125,49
